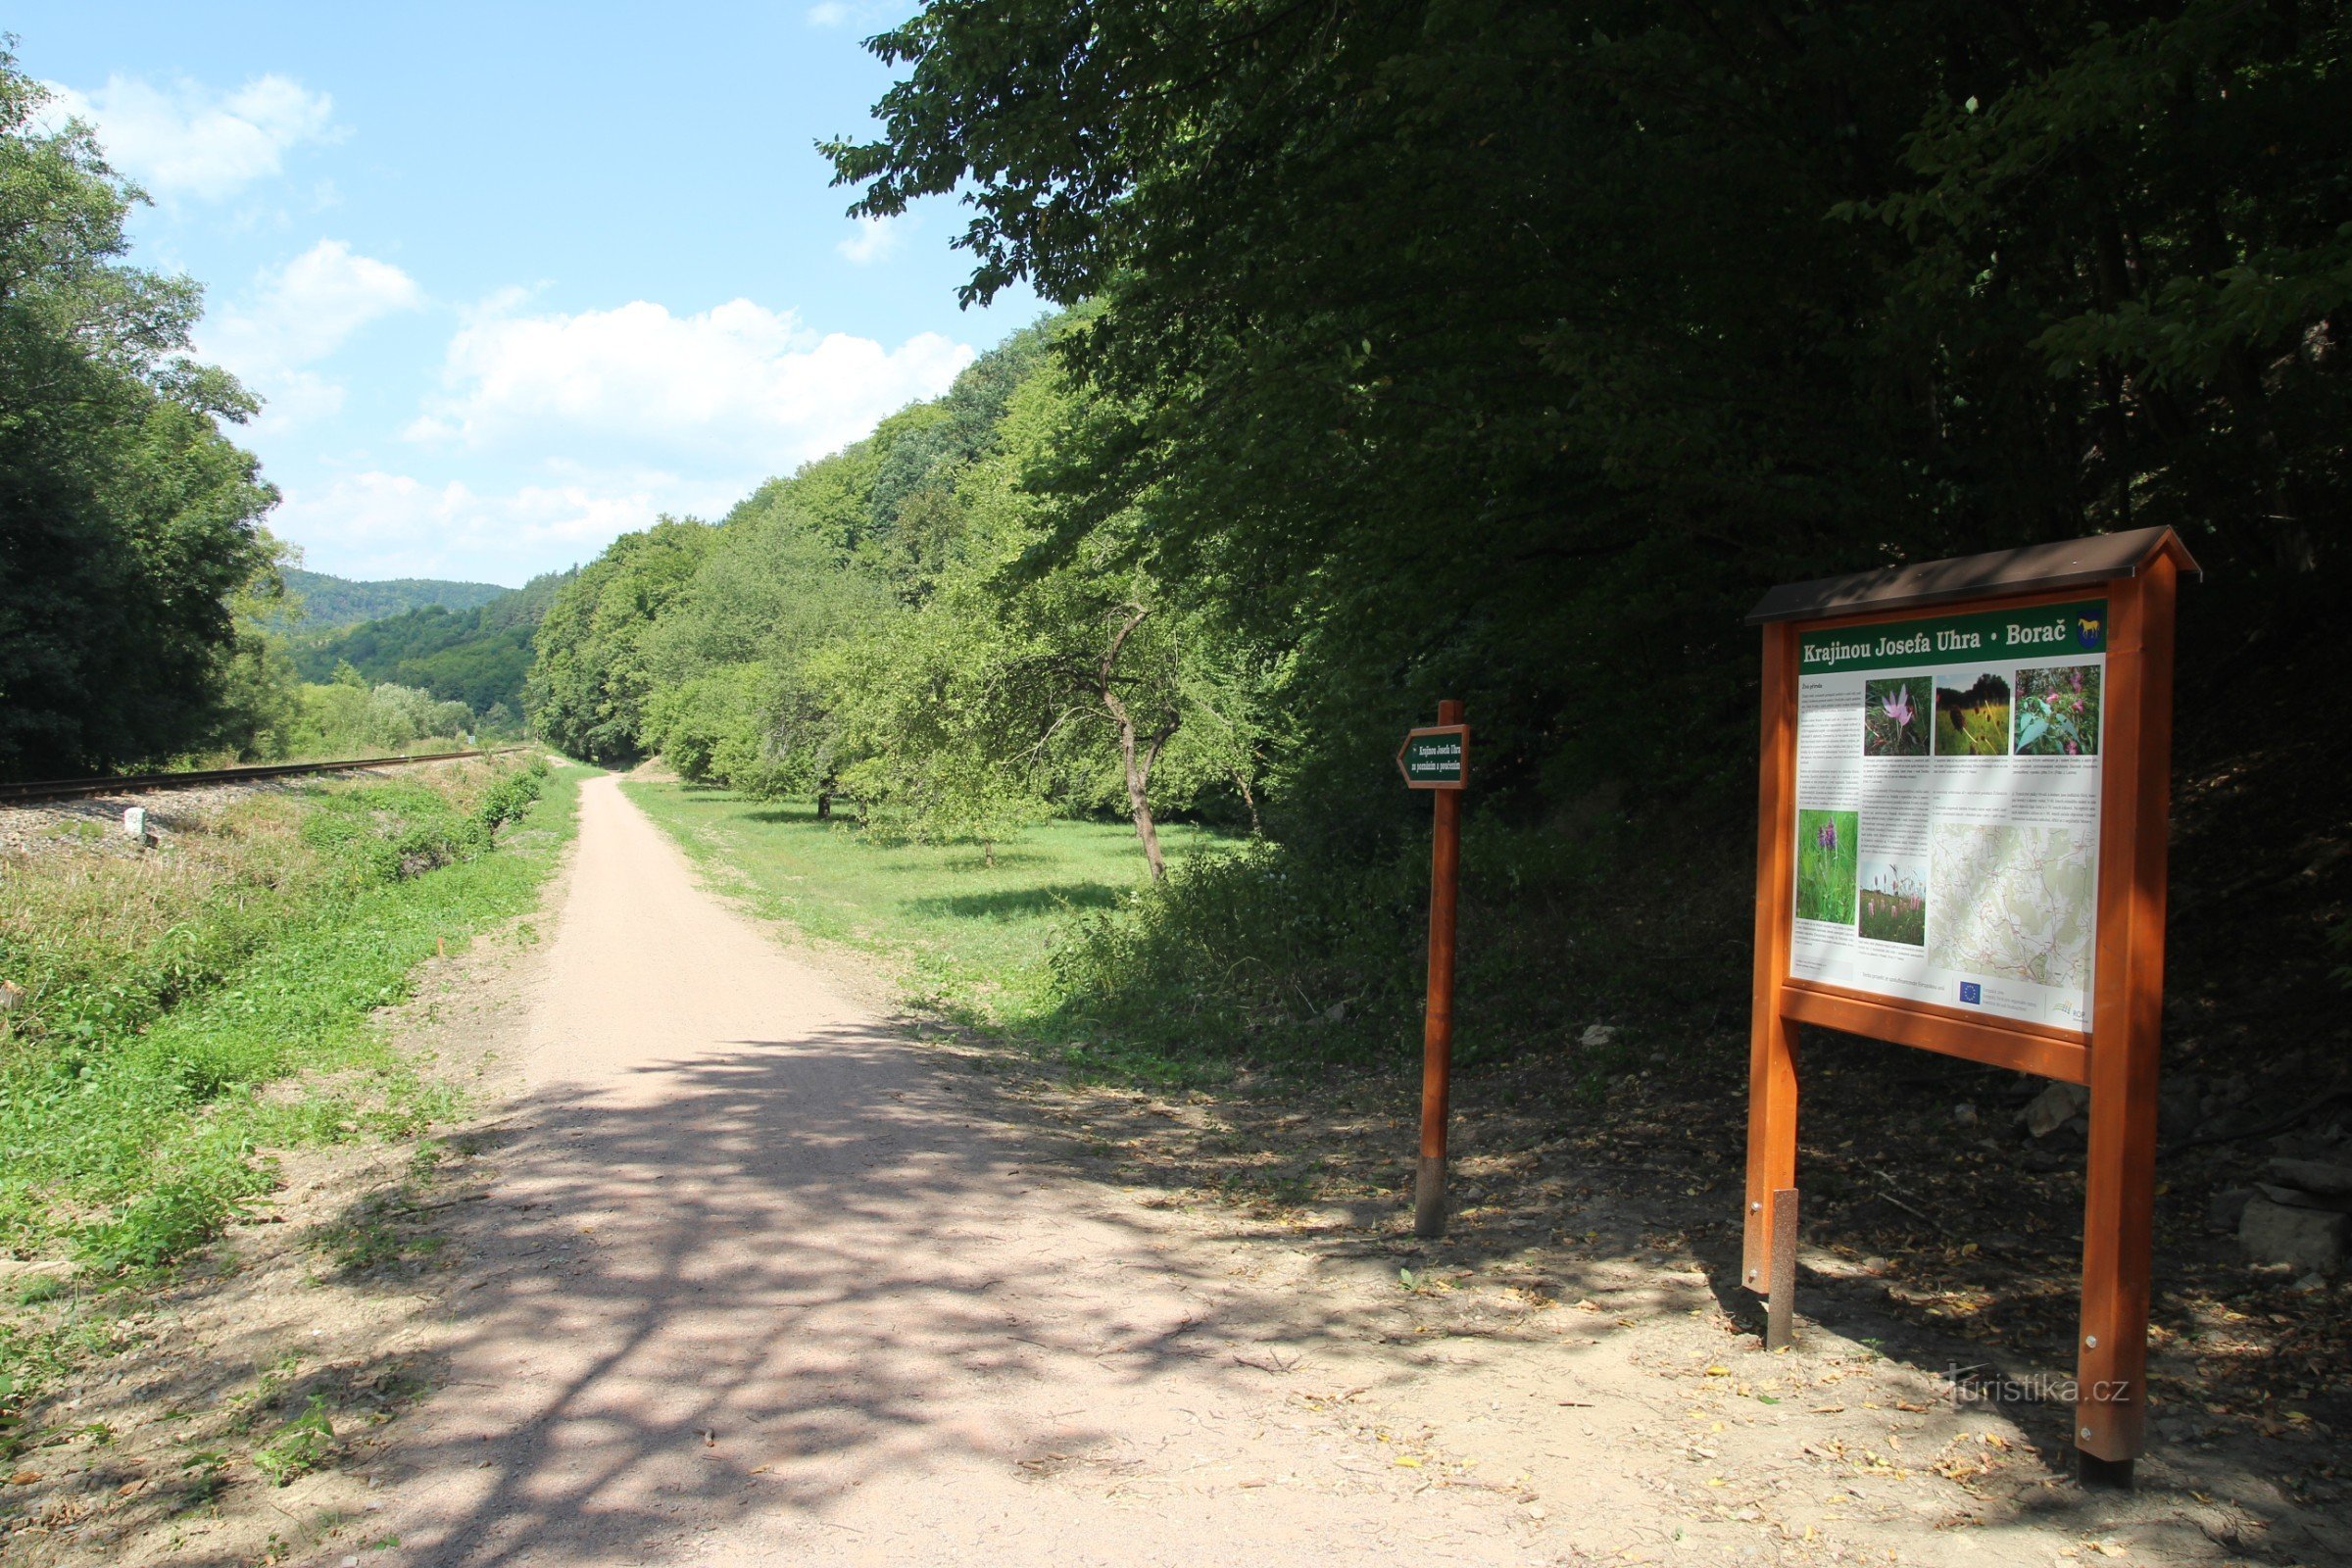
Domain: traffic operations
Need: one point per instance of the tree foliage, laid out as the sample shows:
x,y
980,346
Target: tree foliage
x,y
479,656
589,681
883,625
1507,351
127,521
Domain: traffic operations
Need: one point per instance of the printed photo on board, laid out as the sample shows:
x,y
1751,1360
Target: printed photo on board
x,y
1828,846
1895,904
2058,711
1896,714
1972,717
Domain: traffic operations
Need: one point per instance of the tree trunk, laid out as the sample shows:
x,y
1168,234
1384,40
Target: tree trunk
x,y
1257,829
1138,784
1138,767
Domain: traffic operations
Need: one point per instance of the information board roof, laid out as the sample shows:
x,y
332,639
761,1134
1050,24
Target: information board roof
x,y
2070,564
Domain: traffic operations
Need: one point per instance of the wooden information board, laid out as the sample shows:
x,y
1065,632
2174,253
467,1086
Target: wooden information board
x,y
1961,823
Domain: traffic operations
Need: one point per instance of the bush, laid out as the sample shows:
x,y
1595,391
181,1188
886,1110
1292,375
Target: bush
x,y
1280,958
718,729
348,717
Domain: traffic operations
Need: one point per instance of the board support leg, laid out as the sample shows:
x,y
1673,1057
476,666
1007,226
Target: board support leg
x,y
1771,1147
2119,1199
2095,1474
1772,1038
1780,1316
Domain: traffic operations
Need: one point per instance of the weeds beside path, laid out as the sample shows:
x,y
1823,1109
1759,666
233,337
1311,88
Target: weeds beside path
x,y
199,1019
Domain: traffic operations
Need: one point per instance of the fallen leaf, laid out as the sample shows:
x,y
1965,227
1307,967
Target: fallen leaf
x,y
1409,1463
23,1478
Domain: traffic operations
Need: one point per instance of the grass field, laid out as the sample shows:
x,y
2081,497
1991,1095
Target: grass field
x,y
166,992
964,935
1828,847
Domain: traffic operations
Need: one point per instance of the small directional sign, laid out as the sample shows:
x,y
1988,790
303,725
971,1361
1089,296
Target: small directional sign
x,y
1437,757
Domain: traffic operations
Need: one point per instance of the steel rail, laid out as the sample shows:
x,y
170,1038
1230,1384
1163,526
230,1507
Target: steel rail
x,y
72,789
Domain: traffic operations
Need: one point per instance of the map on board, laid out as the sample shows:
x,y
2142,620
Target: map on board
x,y
2017,902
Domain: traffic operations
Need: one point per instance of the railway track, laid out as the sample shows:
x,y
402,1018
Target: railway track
x,y
71,789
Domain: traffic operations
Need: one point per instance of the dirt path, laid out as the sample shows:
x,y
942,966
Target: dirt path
x,y
759,1283
757,1277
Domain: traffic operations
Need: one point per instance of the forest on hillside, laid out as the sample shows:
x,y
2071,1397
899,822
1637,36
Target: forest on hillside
x,y
476,653
1507,353
319,602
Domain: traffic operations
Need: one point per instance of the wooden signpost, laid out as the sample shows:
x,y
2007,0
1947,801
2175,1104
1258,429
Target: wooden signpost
x,y
1961,829
1437,758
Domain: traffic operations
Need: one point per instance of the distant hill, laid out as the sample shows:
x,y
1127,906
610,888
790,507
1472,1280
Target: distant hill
x,y
476,655
339,602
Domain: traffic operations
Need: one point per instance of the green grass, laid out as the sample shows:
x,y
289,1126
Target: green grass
x,y
1825,872
968,935
191,1009
1255,955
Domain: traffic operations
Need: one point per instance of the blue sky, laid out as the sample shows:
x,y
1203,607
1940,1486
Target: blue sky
x,y
515,279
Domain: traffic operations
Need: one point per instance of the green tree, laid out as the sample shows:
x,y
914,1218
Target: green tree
x,y
1011,691
589,681
127,523
1480,349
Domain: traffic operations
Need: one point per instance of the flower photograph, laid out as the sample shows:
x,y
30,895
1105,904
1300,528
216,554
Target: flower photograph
x,y
1895,904
1829,845
1973,720
2058,711
1896,714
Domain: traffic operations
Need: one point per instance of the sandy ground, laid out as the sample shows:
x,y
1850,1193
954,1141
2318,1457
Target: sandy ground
x,y
736,1269
761,1280
759,1284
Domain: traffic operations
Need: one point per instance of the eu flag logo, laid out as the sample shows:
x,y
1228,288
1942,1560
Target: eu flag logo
x,y
1971,992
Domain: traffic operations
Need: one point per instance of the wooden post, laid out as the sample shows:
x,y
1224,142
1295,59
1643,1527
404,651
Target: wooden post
x,y
2119,1205
1437,1025
1772,1038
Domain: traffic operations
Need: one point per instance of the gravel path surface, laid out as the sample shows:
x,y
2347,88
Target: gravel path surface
x,y
755,1277
763,1284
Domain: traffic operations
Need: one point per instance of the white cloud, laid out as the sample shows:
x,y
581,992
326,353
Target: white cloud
x,y
298,314
379,524
740,384
874,240
192,142
305,310
830,13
